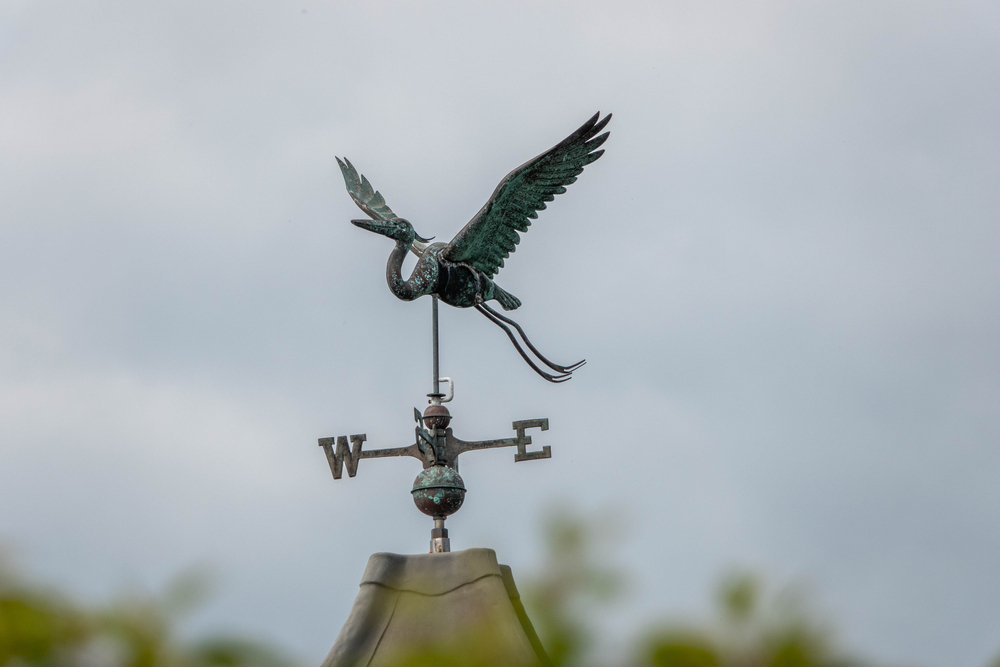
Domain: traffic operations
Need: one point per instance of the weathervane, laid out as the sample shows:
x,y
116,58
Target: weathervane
x,y
460,274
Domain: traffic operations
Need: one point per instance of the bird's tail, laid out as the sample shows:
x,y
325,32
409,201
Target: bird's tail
x,y
507,300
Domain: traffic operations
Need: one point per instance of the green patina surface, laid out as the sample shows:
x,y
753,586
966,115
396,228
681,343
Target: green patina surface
x,y
438,490
460,272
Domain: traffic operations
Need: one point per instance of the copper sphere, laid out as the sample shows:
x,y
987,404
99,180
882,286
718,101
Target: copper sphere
x,y
436,416
438,491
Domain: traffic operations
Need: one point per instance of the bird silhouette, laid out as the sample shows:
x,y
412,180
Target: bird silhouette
x,y
460,273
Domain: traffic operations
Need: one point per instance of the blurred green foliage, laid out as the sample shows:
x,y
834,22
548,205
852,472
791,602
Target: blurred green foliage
x,y
572,583
751,626
41,628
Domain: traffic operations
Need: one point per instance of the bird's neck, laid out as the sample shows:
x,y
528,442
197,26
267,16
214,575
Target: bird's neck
x,y
418,248
394,273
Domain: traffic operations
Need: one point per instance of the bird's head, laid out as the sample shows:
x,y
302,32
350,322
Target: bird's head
x,y
397,229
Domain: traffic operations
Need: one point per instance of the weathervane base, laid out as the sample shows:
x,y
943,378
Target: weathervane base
x,y
460,602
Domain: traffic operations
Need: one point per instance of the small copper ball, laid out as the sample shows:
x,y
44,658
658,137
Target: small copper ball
x,y
438,491
436,416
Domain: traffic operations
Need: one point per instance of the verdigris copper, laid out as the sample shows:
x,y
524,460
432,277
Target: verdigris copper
x,y
461,272
438,491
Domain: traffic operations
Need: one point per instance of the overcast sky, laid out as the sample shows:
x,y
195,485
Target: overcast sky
x,y
783,273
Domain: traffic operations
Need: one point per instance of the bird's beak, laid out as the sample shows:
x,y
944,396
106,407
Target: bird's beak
x,y
377,226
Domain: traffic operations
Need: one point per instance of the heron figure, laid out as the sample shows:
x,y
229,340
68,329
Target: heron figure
x,y
461,273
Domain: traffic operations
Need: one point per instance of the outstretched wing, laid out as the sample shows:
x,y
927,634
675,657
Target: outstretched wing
x,y
492,234
363,194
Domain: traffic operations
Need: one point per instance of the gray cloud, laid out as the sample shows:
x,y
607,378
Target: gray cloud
x,y
782,273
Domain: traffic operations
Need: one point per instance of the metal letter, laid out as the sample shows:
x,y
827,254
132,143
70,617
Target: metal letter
x,y
342,454
524,440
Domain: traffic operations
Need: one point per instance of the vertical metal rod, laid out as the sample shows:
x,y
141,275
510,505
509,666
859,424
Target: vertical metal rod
x,y
437,374
440,544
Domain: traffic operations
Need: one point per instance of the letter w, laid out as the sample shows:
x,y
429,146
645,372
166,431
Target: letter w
x,y
338,455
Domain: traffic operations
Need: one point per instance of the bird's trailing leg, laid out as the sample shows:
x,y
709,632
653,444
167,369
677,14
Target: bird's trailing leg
x,y
548,376
498,320
524,337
